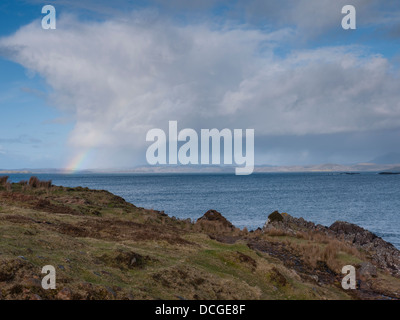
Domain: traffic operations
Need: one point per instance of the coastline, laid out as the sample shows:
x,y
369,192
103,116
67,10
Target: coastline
x,y
106,248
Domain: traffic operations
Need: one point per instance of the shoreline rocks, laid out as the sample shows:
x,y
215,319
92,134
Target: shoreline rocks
x,y
382,253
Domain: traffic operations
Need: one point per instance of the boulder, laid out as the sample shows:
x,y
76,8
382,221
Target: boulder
x,y
275,217
215,216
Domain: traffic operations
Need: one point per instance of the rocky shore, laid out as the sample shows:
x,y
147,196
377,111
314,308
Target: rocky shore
x,y
383,254
105,248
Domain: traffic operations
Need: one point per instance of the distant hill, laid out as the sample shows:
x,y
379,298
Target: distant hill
x,y
327,167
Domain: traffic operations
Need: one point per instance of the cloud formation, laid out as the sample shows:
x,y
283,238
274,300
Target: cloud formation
x,y
122,77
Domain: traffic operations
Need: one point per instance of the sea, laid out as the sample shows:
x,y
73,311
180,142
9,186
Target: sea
x,y
369,200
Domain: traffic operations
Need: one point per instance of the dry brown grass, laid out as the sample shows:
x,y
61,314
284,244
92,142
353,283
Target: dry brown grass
x,y
273,232
35,182
326,250
3,180
5,183
8,186
314,236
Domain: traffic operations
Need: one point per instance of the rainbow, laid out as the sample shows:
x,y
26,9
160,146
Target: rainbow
x,y
77,162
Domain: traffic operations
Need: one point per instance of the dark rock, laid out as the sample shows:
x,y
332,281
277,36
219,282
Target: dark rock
x,y
383,253
353,232
275,216
291,225
215,216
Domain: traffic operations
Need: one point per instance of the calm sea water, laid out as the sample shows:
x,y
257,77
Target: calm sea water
x,y
368,199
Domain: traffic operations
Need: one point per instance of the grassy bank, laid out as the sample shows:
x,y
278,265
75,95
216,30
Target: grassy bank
x,y
105,248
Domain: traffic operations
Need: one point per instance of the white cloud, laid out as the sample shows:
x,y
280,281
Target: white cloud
x,y
121,78
319,91
313,18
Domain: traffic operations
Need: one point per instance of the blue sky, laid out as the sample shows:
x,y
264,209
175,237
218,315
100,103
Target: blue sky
x,y
28,139
87,93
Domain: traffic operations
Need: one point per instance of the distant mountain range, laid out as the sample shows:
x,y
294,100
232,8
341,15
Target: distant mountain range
x,y
360,167
388,163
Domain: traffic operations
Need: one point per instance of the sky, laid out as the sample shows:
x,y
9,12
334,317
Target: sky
x,y
83,96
